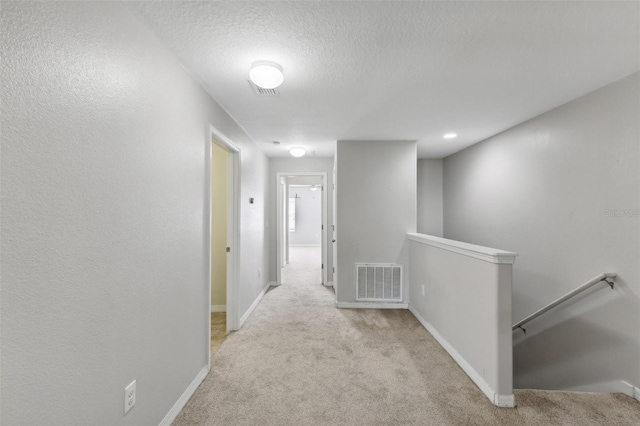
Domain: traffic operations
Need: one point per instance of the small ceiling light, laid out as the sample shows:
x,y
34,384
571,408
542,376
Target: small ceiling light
x,y
314,188
266,74
450,135
297,151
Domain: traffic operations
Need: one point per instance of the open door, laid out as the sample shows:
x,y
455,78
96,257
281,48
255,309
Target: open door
x,y
232,225
334,243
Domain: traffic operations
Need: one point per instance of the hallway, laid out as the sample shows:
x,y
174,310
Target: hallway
x,y
304,266
300,361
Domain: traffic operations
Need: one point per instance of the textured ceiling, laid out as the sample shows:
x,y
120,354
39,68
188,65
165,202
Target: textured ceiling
x,y
397,70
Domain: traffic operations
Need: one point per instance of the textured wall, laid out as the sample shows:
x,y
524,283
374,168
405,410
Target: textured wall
x,y
104,264
546,189
430,197
376,207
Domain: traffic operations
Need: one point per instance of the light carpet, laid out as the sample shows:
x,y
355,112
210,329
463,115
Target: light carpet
x,y
305,266
300,361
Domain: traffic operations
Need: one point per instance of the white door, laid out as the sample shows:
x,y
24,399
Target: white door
x,y
334,243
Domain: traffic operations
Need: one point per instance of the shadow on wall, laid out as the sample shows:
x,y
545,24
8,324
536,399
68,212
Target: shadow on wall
x,y
573,347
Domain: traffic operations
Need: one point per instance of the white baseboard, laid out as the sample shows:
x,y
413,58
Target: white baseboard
x,y
496,399
632,391
218,308
182,401
329,284
273,284
305,245
614,386
253,305
371,305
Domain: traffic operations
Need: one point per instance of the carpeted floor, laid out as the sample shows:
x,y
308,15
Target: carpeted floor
x,y
300,361
305,266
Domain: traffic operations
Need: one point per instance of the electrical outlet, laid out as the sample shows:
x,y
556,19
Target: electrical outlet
x,y
259,272
423,289
129,396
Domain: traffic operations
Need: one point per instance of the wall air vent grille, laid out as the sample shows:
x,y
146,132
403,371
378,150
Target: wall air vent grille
x,y
259,91
379,282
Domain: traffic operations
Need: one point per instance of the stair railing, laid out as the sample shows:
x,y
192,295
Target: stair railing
x,y
604,277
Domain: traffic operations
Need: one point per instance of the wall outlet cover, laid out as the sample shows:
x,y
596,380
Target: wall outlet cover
x,y
129,396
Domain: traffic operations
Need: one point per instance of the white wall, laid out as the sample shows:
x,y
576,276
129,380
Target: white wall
x,y
462,295
104,249
376,207
430,196
308,230
544,189
305,164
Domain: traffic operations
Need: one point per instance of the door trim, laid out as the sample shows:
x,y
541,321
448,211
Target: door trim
x,y
233,228
280,216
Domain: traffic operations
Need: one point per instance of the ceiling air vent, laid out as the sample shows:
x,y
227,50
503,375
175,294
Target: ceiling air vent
x,y
259,91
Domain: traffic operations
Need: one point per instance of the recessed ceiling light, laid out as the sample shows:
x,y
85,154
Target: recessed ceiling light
x,y
266,74
450,135
297,151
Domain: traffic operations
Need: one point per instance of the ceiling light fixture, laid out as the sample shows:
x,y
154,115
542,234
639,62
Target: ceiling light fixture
x,y
297,151
314,188
450,135
266,74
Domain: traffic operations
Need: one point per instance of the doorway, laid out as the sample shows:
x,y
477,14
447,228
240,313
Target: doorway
x,y
222,210
302,227
219,222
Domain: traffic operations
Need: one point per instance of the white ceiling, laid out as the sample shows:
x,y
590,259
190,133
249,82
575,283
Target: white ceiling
x,y
398,70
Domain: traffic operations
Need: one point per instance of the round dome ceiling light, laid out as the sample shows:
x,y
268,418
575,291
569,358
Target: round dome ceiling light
x,y
297,151
266,74
450,136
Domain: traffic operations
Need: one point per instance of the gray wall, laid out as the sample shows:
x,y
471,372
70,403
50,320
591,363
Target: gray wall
x,y
544,189
305,164
462,295
376,207
104,268
430,196
308,217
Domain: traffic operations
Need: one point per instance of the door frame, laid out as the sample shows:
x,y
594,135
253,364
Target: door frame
x,y
334,243
280,218
233,228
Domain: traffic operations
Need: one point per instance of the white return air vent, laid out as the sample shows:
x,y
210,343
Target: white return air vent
x,y
379,282
260,91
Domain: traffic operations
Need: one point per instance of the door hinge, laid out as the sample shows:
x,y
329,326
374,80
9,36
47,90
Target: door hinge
x,y
323,266
322,227
334,270
228,249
